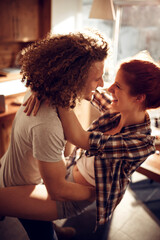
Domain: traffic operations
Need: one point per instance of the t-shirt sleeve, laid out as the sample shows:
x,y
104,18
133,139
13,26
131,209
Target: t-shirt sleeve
x,y
48,142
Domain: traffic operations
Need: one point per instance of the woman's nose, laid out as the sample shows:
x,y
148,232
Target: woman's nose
x,y
110,89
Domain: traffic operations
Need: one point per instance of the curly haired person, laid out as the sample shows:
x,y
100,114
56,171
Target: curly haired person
x,y
60,69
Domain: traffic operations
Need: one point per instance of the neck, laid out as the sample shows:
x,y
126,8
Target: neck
x,y
132,118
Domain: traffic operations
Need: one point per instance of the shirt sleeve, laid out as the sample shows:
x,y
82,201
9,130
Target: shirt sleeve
x,y
101,101
105,122
129,147
48,143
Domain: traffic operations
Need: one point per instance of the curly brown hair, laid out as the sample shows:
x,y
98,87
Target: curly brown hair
x,y
56,68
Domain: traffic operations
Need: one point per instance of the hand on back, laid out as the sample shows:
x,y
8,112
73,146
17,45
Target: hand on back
x,y
32,105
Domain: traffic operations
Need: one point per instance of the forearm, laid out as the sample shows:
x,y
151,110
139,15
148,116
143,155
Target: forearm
x,y
58,187
74,192
73,130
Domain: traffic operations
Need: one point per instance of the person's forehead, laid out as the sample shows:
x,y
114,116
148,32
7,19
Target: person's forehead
x,y
96,66
121,78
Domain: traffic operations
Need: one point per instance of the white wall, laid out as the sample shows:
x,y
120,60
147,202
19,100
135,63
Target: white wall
x,y
66,15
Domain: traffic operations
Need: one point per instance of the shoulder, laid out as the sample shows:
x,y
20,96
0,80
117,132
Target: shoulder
x,y
47,120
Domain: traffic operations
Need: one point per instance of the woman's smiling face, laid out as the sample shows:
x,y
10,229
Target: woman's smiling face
x,y
122,100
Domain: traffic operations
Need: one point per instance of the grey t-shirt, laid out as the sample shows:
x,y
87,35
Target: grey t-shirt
x,y
32,138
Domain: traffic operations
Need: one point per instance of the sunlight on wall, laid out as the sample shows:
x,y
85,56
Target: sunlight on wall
x,y
66,16
65,26
12,87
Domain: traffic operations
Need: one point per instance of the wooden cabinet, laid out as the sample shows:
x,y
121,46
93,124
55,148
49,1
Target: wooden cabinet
x,y
21,22
24,20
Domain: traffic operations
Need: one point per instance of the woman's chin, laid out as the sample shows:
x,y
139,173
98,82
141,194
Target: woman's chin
x,y
114,107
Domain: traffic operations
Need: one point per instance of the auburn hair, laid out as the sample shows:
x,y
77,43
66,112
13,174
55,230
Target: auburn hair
x,y
143,78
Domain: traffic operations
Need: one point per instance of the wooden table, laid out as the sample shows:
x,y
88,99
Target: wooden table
x,y
151,167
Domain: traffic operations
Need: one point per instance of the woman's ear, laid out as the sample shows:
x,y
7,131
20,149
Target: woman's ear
x,y
141,98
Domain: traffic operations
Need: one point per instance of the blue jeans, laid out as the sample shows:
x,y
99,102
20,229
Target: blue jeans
x,y
39,230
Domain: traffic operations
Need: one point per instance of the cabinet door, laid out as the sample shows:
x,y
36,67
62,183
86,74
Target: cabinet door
x,y
19,20
6,21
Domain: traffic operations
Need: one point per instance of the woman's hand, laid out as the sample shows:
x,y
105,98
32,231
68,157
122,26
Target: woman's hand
x,y
32,105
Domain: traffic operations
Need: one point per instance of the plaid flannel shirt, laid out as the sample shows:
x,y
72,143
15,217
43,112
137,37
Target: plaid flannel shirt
x,y
116,156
